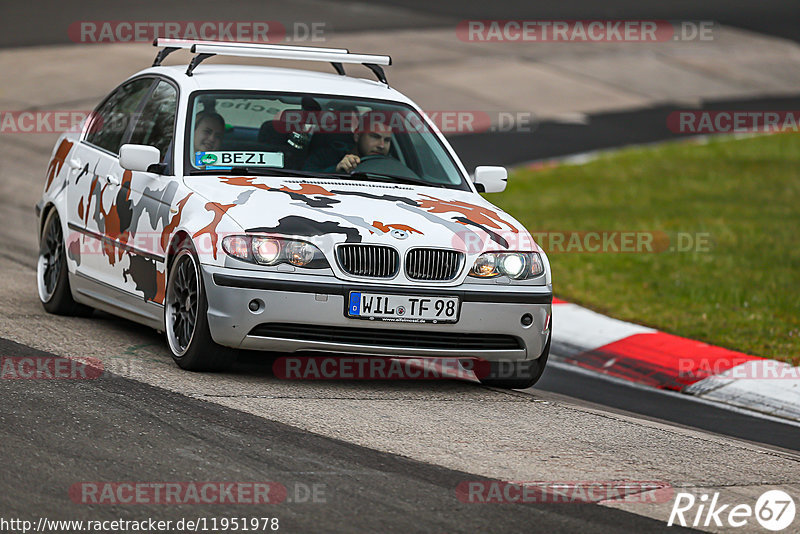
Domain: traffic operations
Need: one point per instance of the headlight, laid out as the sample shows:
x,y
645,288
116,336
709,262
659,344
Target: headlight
x,y
485,266
266,251
237,246
516,265
299,253
273,251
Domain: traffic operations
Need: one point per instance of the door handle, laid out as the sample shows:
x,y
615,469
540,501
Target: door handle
x,y
113,180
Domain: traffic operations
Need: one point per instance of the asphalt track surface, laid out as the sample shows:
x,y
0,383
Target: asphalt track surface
x,y
666,406
147,433
771,17
46,21
54,434
601,131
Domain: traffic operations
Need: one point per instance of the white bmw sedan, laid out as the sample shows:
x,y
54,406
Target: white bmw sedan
x,y
242,207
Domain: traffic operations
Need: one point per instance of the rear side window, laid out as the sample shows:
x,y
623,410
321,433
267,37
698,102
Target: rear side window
x,y
111,120
156,125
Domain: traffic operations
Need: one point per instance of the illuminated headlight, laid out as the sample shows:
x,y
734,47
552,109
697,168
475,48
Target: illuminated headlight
x,y
272,251
516,265
266,251
512,264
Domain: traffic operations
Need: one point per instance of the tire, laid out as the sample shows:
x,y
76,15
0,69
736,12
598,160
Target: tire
x,y
516,375
52,277
186,317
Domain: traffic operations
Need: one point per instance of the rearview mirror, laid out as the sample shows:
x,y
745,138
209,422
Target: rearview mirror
x,y
490,179
138,157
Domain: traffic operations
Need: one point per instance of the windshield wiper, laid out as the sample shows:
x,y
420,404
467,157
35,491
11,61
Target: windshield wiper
x,y
275,171
382,177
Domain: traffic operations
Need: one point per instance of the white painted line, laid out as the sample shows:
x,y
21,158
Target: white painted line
x,y
578,326
767,386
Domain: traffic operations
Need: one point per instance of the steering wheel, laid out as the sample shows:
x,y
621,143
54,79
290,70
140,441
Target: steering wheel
x,y
379,163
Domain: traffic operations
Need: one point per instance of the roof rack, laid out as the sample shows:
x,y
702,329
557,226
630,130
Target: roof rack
x,y
207,49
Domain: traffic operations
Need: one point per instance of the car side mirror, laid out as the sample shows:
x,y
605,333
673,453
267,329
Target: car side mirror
x,y
490,179
141,158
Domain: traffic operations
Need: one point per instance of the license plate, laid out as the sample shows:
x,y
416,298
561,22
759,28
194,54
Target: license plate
x,y
402,308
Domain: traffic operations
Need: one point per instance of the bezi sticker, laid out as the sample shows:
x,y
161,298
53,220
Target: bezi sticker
x,y
239,159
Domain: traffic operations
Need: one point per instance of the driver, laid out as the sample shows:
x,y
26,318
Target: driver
x,y
372,136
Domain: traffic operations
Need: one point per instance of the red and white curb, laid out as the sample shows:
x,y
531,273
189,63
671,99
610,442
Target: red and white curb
x,y
646,356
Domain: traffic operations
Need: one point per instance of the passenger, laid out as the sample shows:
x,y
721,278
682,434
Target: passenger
x,y
209,126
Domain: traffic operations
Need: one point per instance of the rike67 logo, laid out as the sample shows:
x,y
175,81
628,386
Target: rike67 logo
x,y
774,510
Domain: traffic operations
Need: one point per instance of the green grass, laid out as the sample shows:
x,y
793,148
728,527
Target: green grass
x,y
742,294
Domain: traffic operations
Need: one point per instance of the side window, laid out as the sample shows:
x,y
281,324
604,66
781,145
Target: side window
x,y
156,125
112,118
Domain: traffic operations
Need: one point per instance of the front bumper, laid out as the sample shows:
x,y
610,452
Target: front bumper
x,y
313,310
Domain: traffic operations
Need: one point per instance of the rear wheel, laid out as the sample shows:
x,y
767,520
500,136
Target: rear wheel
x,y
516,375
51,271
186,317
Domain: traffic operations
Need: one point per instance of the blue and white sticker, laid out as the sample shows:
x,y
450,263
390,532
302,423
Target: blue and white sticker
x,y
355,303
238,158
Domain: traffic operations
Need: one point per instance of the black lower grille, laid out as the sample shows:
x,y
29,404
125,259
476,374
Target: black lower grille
x,y
412,339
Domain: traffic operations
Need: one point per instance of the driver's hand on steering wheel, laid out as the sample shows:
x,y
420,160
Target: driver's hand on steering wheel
x,y
348,163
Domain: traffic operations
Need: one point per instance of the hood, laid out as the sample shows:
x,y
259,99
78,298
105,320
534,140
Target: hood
x,y
326,212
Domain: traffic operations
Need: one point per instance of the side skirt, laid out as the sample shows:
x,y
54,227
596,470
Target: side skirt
x,y
116,302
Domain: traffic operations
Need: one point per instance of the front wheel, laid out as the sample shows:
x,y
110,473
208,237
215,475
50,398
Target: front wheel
x,y
516,375
186,317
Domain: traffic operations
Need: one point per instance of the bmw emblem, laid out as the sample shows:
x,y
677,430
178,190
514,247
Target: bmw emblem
x,y
399,234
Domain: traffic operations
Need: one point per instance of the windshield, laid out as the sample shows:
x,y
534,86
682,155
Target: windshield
x,y
249,132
